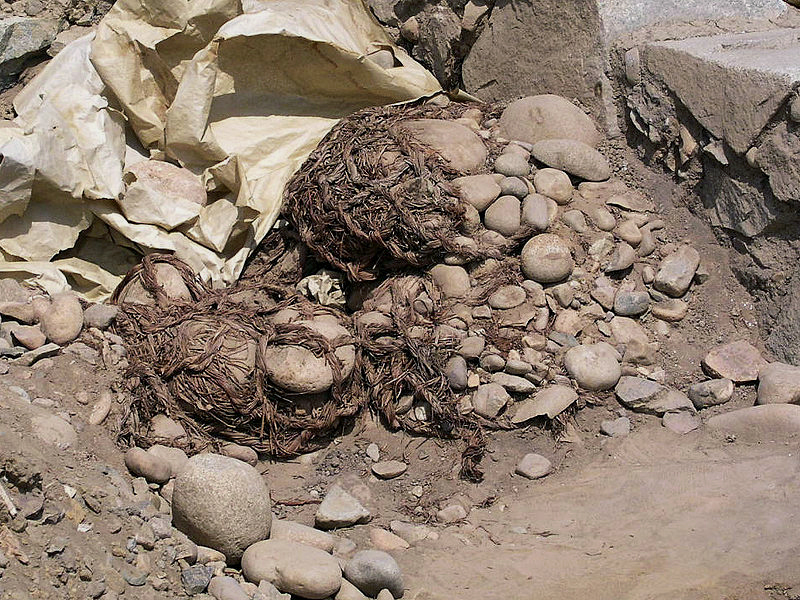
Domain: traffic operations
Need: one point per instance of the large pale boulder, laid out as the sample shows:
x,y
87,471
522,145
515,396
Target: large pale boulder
x,y
221,503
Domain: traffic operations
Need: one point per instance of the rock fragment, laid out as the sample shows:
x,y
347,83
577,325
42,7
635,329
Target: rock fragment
x,y
738,361
340,509
534,466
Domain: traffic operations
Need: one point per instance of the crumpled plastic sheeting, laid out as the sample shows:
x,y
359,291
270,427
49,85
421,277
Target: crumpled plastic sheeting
x,y
238,92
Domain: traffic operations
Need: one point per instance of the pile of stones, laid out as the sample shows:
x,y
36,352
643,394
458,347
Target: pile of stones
x,y
237,550
36,325
585,288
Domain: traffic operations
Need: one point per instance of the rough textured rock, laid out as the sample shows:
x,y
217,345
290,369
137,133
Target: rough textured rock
x,y
372,571
226,588
221,503
490,399
340,509
711,392
779,383
576,158
551,401
546,258
545,117
595,367
644,395
63,320
675,273
738,361
507,296
293,568
616,428
460,148
23,38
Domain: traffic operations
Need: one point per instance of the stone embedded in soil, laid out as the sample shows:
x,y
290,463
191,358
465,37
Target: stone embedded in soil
x,y
512,165
675,273
514,186
456,373
101,408
623,258
490,399
534,466
221,503
513,383
411,533
293,568
594,367
340,509
644,395
711,392
503,216
616,427
681,422
54,430
148,465
779,383
372,571
547,116
672,310
459,147
389,469
226,588
452,281
756,423
631,304
551,401
535,212
546,258
386,540
477,190
738,361
63,320
302,534
576,158
554,184
507,296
